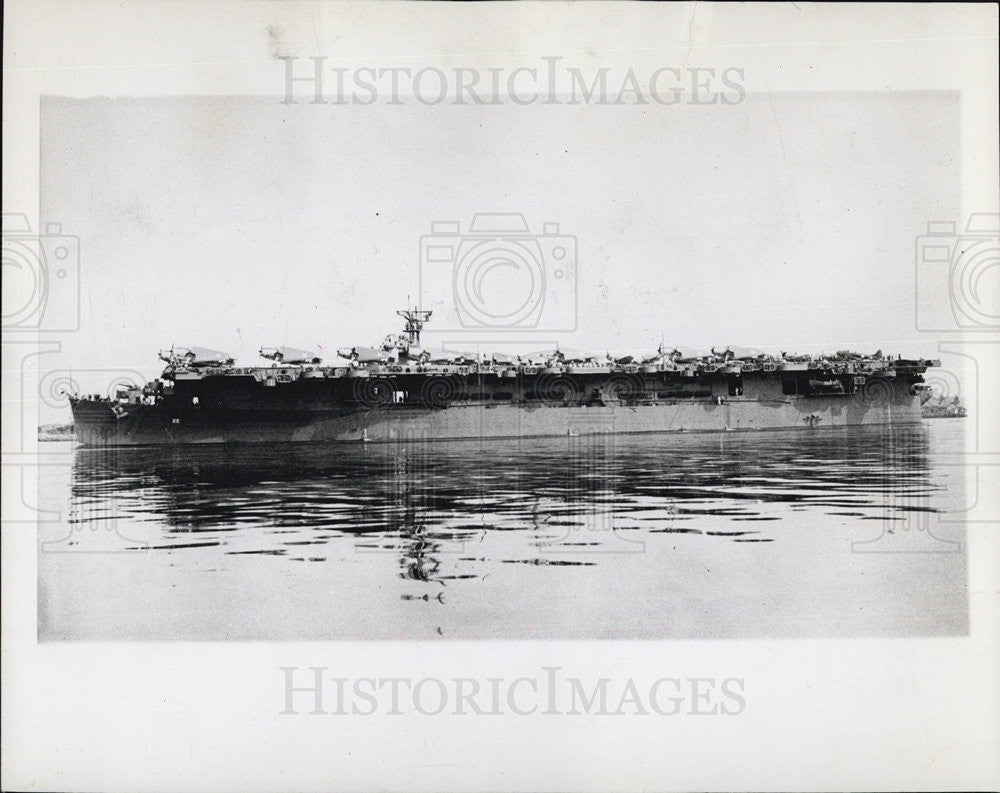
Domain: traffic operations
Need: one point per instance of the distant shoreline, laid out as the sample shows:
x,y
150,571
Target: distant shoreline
x,y
56,432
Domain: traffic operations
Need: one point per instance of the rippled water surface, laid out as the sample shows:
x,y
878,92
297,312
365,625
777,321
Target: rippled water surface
x,y
798,533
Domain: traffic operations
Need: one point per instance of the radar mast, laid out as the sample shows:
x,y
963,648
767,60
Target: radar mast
x,y
415,320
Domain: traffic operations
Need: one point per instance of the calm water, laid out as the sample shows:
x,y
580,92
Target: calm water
x,y
798,533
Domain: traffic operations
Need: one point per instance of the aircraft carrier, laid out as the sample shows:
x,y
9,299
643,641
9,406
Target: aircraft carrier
x,y
400,391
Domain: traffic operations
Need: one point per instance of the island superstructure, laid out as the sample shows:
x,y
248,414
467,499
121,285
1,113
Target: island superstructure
x,y
398,390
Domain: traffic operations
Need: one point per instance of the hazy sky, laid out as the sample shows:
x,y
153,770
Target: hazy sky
x,y
785,221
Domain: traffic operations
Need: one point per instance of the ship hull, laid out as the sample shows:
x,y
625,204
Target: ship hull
x,y
97,423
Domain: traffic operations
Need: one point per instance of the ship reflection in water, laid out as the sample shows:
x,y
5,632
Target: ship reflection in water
x,y
797,533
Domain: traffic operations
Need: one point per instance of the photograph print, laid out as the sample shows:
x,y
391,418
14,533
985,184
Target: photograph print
x,y
483,351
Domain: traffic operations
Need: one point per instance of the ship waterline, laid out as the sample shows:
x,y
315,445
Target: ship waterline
x,y
97,424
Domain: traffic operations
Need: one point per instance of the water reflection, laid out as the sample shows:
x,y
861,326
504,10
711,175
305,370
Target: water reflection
x,y
577,497
740,534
